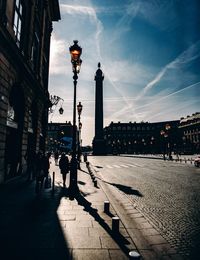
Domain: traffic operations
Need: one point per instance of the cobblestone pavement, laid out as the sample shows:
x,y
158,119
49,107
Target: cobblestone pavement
x,y
170,197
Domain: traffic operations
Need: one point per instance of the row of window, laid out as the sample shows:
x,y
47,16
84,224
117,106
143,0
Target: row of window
x,y
129,128
195,131
22,30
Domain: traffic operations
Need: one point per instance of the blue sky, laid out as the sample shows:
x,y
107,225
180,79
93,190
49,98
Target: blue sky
x,y
150,56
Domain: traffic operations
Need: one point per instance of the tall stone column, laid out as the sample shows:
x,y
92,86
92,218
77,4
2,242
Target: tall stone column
x,y
99,146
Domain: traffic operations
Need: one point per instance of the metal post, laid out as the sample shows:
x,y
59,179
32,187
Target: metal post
x,y
115,224
53,183
73,173
95,183
79,149
106,206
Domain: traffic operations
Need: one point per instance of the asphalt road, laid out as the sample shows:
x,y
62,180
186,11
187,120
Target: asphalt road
x,y
167,193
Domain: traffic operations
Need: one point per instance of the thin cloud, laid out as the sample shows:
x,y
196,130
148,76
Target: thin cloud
x,y
57,54
124,111
77,9
187,56
91,12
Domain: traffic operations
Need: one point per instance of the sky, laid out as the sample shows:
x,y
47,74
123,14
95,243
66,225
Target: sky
x,y
149,52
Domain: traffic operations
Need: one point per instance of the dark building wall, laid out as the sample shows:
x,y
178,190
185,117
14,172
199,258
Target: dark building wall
x,y
24,68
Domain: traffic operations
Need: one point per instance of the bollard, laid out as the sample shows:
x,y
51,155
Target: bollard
x,y
106,206
95,183
53,182
115,224
134,255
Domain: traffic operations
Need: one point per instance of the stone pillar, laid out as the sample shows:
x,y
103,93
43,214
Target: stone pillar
x,y
99,146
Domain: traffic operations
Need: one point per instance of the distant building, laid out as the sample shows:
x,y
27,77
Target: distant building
x,y
190,128
60,137
25,31
144,137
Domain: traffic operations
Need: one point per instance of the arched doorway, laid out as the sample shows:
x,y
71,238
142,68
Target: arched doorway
x,y
14,130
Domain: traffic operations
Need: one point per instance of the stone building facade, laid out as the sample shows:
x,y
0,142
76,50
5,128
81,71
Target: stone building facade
x,y
190,127
25,31
142,138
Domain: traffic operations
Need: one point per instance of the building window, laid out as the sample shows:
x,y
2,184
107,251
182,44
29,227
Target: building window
x,y
35,52
17,25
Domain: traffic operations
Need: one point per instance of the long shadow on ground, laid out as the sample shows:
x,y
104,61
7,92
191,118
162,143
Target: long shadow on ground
x,y
29,226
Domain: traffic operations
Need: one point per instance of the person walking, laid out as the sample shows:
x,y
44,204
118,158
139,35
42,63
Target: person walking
x,y
39,165
42,170
64,167
30,157
56,156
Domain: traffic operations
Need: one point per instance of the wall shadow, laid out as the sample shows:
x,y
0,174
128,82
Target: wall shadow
x,y
30,228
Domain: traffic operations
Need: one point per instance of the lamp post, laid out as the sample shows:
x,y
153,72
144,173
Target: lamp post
x,y
166,134
75,51
168,128
79,110
152,144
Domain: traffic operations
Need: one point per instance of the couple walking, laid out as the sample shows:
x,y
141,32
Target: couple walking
x,y
64,167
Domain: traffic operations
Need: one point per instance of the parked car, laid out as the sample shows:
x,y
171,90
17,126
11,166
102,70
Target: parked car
x,y
197,161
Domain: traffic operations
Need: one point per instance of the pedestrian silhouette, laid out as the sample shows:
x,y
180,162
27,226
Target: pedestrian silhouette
x,y
64,167
56,156
30,158
42,169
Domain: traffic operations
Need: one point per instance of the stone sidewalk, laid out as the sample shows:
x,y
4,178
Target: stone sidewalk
x,y
53,226
86,228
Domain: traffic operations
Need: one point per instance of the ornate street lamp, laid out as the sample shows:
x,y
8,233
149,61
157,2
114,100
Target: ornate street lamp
x,y
54,100
163,134
75,51
166,134
79,110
